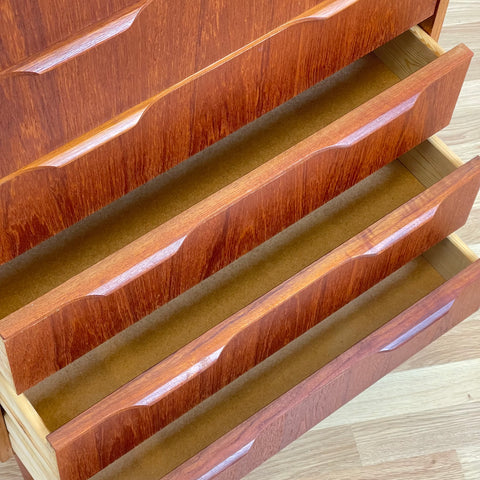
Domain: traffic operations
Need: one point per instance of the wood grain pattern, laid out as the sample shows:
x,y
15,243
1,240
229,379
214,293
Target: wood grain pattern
x,y
433,25
136,411
436,466
439,466
157,460
194,245
129,138
33,27
102,377
187,44
5,447
284,420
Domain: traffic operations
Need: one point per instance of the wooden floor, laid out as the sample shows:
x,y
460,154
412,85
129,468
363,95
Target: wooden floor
x,y
421,422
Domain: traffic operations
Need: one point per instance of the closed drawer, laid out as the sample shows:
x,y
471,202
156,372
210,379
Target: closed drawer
x,y
38,36
218,229
57,130
65,443
32,28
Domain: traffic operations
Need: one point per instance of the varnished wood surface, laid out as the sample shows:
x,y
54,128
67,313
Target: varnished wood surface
x,y
32,27
437,388
215,230
340,381
104,433
49,265
320,346
434,24
155,45
263,384
32,30
127,141
88,380
426,425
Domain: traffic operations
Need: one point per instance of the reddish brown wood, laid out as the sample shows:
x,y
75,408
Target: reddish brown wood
x,y
32,26
123,288
433,25
23,470
139,409
144,49
284,420
131,116
5,446
163,44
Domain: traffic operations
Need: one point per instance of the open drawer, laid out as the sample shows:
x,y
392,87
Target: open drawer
x,y
61,412
267,186
351,350
69,149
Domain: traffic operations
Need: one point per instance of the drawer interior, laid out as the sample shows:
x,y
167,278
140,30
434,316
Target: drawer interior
x,y
281,372
67,393
61,257
72,390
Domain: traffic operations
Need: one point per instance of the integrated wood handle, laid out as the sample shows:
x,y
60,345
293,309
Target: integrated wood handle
x,y
459,301
228,462
195,372
138,127
105,30
310,402
311,173
420,327
79,44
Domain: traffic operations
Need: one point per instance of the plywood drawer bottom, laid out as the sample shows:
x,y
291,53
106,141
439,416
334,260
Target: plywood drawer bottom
x,y
295,389
66,394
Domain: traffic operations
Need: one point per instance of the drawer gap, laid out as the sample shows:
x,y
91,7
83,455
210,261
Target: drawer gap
x,y
75,388
281,372
72,390
48,265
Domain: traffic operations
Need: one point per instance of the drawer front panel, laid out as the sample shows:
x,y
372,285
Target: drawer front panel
x,y
59,138
40,35
273,428
136,411
196,244
32,27
49,105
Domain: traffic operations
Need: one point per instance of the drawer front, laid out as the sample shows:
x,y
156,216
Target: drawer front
x,y
273,428
136,411
57,129
217,231
31,28
40,35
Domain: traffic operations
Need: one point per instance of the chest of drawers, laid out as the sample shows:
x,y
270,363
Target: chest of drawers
x,y
213,315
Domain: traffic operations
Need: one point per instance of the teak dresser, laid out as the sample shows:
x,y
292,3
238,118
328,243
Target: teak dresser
x,y
220,221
